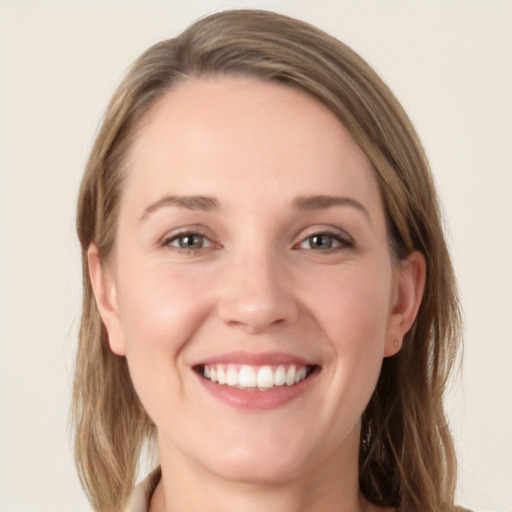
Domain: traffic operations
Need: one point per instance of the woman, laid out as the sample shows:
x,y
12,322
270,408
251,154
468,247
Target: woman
x,y
268,292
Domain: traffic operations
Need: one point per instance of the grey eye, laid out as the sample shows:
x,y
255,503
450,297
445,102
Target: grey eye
x,y
189,241
320,242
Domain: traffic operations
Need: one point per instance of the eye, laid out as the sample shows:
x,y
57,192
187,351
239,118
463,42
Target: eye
x,y
325,242
188,241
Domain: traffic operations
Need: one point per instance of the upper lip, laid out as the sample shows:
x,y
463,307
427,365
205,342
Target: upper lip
x,y
256,359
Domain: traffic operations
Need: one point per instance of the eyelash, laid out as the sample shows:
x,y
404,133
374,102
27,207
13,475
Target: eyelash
x,y
341,242
175,237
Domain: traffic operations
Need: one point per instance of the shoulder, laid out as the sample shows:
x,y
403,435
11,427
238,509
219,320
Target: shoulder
x,y
141,495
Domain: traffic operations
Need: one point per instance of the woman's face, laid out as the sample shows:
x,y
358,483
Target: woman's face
x,y
251,286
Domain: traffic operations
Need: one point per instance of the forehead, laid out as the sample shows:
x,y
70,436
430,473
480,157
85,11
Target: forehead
x,y
211,135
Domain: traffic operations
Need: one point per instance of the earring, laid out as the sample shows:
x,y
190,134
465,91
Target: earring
x,y
395,343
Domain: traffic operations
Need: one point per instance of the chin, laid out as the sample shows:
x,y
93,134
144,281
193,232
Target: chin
x,y
258,470
264,460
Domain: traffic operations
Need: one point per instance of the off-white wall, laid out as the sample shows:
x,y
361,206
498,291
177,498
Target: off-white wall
x,y
450,62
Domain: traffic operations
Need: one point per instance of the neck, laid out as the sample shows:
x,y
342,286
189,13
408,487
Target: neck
x,y
330,486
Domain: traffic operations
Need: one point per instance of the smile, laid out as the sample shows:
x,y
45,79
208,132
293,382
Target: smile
x,y
251,377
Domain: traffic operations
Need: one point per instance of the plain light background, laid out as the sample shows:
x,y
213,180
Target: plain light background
x,y
449,62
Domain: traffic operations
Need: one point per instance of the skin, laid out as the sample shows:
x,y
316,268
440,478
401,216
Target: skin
x,y
258,283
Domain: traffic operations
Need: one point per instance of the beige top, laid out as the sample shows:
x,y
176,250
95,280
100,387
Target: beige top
x,y
141,497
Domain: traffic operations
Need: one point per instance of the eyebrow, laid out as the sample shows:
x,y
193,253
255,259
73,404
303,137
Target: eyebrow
x,y
203,203
323,202
207,203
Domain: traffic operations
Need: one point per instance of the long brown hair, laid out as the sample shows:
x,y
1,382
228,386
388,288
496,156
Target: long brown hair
x,y
406,454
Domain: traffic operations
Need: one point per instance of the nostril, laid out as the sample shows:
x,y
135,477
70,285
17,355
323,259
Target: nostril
x,y
254,318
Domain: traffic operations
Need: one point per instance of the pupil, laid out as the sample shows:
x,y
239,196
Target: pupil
x,y
190,242
321,242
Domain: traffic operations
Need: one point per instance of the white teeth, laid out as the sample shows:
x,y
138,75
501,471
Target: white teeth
x,y
290,376
300,375
262,377
265,377
221,376
280,376
232,377
247,377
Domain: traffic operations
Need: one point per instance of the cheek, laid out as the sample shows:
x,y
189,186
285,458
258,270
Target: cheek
x,y
355,307
160,312
160,308
355,314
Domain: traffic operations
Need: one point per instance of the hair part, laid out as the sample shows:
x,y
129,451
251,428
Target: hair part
x,y
407,458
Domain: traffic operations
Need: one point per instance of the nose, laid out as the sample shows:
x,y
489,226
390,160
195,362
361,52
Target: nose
x,y
257,295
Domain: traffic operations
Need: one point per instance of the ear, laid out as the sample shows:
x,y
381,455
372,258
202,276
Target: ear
x,y
410,284
105,293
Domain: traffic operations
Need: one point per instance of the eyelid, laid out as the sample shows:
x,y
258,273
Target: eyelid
x,y
206,241
172,235
338,234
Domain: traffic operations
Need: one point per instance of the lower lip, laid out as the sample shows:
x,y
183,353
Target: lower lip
x,y
254,399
